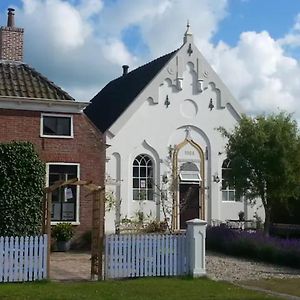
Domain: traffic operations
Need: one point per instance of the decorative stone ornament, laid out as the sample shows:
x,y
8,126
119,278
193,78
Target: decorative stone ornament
x,y
211,105
167,102
188,133
190,50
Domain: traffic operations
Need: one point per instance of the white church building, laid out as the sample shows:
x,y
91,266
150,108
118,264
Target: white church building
x,y
165,157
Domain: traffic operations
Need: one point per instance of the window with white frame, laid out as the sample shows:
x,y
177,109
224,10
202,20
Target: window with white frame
x,y
142,178
57,126
228,190
65,199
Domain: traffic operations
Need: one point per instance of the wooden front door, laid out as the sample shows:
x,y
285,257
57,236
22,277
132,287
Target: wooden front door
x,y
189,206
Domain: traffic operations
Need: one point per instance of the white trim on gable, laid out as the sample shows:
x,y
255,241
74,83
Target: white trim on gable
x,y
205,74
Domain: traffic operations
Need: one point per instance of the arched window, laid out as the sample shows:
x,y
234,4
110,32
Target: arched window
x,y
142,178
228,190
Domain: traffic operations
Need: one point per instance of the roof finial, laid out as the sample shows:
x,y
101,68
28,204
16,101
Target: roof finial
x,y
188,36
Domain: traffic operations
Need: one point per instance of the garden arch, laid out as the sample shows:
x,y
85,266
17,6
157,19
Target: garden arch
x,y
98,194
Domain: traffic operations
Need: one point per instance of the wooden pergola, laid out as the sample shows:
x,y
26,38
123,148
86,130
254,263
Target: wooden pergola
x,y
98,212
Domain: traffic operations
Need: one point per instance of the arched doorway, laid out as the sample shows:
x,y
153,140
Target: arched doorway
x,y
189,176
189,193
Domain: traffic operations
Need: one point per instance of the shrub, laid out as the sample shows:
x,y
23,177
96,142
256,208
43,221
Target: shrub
x,y
22,179
254,245
155,226
62,232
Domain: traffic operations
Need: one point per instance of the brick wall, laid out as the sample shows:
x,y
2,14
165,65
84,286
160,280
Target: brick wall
x,y
86,148
11,43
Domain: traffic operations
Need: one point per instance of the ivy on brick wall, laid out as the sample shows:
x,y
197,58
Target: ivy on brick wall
x,y
22,179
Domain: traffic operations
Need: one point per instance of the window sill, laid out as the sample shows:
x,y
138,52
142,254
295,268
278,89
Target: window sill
x,y
57,136
231,201
75,223
150,200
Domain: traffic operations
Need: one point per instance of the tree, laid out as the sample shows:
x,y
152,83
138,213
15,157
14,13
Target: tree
x,y
22,179
265,159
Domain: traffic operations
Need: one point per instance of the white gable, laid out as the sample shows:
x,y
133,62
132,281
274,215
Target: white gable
x,y
181,107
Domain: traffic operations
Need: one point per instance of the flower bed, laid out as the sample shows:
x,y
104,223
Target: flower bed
x,y
254,245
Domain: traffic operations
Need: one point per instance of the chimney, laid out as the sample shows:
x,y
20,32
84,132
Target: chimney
x,y
11,39
11,17
125,69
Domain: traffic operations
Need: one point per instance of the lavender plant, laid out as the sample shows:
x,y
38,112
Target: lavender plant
x,y
254,245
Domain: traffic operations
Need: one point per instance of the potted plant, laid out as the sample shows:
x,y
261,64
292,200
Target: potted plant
x,y
62,232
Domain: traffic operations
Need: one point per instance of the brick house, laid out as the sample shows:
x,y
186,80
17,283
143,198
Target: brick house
x,y
34,109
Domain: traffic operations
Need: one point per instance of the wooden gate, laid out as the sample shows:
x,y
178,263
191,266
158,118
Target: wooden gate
x,y
135,255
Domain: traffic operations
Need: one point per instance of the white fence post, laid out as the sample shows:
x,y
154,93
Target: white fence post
x,y
196,230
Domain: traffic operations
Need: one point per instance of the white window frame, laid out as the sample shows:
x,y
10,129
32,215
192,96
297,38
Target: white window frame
x,y
227,190
134,177
184,180
71,136
77,222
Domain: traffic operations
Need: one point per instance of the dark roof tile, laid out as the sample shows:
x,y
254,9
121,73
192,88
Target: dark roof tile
x,y
20,80
108,105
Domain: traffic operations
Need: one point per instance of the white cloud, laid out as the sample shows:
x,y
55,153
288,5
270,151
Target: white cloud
x,y
89,8
55,21
115,52
259,73
78,44
292,39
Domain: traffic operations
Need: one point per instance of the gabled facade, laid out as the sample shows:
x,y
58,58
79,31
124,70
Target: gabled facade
x,y
166,159
32,108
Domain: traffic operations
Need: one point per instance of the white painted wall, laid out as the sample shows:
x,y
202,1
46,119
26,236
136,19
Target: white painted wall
x,y
149,127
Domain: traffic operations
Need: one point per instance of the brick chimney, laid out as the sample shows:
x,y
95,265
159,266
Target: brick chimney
x,y
11,39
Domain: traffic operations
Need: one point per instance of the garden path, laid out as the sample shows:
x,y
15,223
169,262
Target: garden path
x,y
76,266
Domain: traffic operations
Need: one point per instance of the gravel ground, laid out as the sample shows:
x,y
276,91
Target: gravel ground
x,y
221,267
76,266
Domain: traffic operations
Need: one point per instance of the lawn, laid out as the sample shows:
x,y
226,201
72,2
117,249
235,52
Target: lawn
x,y
137,289
285,286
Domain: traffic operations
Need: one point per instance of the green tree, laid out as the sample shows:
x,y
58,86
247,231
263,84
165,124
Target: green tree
x,y
265,159
22,179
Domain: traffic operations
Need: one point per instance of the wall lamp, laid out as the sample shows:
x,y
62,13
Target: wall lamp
x,y
165,178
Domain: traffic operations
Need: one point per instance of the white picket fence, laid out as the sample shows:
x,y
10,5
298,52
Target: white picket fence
x,y
23,258
132,255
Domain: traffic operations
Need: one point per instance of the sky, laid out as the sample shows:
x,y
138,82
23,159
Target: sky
x,y
254,45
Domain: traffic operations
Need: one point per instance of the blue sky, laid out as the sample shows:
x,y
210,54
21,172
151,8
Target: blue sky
x,y
274,16
254,45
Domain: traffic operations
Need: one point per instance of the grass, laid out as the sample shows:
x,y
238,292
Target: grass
x,y
137,289
286,286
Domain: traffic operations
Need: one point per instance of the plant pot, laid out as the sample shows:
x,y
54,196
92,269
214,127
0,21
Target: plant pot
x,y
63,246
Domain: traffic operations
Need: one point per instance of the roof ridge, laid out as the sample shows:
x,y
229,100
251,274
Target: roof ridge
x,y
152,61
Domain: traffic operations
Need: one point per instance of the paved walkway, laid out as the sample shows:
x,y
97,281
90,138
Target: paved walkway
x,y
71,266
75,266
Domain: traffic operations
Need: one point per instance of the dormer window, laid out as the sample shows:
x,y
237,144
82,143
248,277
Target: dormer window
x,y
56,126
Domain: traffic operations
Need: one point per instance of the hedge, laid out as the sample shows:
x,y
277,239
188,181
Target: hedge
x,y
22,179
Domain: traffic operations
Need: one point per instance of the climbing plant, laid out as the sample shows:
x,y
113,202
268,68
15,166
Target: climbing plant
x,y
22,179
